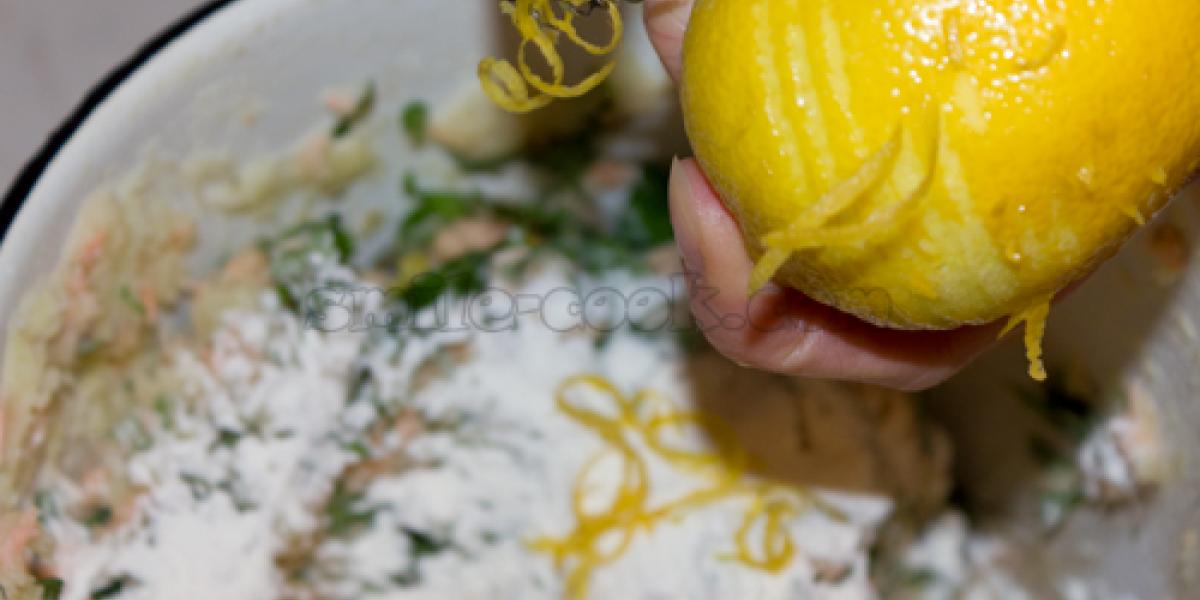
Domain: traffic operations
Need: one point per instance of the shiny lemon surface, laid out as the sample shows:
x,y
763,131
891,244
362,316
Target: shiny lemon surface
x,y
925,164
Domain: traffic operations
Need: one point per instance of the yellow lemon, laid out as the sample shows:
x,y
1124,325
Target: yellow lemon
x,y
926,164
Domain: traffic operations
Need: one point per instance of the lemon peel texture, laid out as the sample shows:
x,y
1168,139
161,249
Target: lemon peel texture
x,y
809,231
1061,127
542,24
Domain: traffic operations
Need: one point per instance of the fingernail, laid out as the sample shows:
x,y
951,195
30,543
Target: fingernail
x,y
666,21
684,218
668,15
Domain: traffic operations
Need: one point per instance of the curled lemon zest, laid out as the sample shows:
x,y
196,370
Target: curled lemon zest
x,y
504,85
778,549
540,28
600,537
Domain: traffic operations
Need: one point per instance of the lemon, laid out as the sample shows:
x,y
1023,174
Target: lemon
x,y
927,164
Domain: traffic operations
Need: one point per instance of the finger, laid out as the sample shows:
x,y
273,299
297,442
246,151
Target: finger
x,y
783,331
666,20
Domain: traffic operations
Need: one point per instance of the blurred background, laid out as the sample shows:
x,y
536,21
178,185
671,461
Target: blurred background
x,y
53,51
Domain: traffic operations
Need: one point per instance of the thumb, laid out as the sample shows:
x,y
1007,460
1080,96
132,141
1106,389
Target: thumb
x,y
666,20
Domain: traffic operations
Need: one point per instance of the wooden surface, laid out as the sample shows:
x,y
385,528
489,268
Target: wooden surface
x,y
53,51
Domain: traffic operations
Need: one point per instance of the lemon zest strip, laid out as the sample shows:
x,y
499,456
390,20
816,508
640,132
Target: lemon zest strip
x,y
540,26
810,232
590,545
778,548
799,235
1034,319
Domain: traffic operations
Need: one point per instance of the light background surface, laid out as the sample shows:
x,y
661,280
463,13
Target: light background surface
x,y
53,51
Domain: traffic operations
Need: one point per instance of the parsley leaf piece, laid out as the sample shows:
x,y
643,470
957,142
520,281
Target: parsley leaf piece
x,y
52,588
362,110
415,121
295,256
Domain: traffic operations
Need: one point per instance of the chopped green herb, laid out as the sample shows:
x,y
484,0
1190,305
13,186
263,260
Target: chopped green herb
x,y
359,448
162,406
296,255
434,209
200,488
132,300
52,587
423,544
485,165
345,513
593,249
648,222
415,121
603,339
228,437
326,237
446,206
461,277
594,253
366,103
99,516
111,589
287,297
542,226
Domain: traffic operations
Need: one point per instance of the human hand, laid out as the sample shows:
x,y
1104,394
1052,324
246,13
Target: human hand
x,y
780,329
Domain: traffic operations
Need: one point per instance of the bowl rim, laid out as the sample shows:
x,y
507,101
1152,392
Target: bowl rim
x,y
31,173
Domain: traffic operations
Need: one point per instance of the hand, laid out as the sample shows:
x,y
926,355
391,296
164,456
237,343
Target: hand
x,y
780,329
